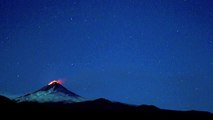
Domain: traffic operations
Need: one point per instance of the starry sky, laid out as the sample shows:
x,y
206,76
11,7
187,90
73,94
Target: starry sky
x,y
156,52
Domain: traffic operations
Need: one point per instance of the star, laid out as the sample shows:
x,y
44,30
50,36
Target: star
x,y
17,75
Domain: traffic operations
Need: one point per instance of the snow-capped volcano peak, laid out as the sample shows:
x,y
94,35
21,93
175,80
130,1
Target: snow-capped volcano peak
x,y
53,92
55,82
55,86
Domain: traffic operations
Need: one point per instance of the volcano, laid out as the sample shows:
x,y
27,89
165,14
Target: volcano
x,y
53,92
53,100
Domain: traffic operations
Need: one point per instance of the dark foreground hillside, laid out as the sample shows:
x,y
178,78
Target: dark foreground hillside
x,y
97,107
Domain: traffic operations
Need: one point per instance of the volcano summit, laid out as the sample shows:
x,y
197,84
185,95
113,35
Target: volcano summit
x,y
53,92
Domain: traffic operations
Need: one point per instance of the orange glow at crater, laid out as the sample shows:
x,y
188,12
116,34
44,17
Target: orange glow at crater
x,y
55,81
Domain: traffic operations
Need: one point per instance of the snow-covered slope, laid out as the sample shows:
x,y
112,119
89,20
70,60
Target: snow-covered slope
x,y
53,92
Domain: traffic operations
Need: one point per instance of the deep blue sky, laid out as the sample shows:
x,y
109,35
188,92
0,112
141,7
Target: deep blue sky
x,y
157,52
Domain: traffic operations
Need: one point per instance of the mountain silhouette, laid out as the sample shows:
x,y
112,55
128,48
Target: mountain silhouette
x,y
54,100
95,108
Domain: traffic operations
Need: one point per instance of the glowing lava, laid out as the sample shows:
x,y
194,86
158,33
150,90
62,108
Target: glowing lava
x,y
55,82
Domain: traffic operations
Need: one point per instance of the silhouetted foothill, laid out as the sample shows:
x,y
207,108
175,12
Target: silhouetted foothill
x,y
103,106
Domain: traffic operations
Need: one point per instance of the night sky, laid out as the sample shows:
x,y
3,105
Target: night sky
x,y
157,52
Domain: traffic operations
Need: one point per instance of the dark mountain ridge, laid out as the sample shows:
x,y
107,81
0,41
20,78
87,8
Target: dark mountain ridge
x,y
92,107
54,99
